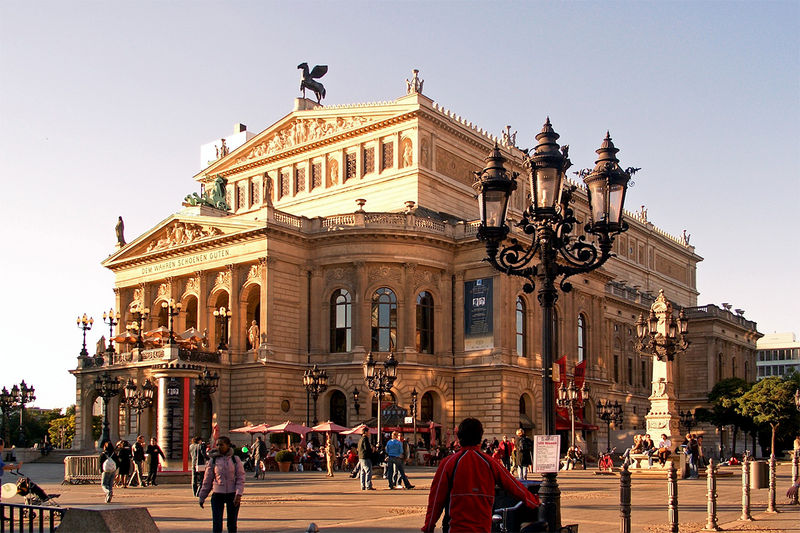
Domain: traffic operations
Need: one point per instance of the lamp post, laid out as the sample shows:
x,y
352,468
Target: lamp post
x,y
112,320
316,382
22,394
85,323
173,309
8,401
687,420
140,314
572,398
207,383
414,419
138,400
223,317
609,412
107,388
550,222
380,380
661,335
797,399
356,405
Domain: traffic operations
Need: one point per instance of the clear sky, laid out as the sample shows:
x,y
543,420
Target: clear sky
x,y
104,106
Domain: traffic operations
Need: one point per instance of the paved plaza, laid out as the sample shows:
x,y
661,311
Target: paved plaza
x,y
288,502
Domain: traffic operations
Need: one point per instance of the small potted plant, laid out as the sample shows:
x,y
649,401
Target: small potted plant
x,y
284,458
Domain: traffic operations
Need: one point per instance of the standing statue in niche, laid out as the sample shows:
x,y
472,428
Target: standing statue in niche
x,y
120,229
252,335
307,80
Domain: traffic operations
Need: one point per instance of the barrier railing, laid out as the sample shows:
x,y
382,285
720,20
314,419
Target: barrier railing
x,y
81,469
19,518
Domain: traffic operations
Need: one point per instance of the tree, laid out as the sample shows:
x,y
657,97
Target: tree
x,y
770,401
723,398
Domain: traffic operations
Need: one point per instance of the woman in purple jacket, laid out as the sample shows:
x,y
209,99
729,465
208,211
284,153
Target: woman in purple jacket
x,y
224,479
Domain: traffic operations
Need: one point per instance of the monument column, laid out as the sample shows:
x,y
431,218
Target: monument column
x,y
235,335
175,391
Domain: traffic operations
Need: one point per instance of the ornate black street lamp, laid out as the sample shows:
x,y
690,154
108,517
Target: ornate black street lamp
x,y
223,317
661,335
380,380
555,252
107,388
687,420
173,309
207,383
85,324
315,382
138,400
22,394
797,399
139,316
8,401
572,398
356,405
413,446
112,320
609,412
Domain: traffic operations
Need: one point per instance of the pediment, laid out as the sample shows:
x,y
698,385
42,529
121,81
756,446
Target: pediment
x,y
300,130
177,233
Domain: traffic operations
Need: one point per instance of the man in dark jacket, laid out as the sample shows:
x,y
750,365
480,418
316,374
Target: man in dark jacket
x,y
463,486
523,448
138,462
365,461
197,457
259,455
153,451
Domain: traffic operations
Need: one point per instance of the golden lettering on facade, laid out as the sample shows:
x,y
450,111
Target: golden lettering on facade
x,y
185,261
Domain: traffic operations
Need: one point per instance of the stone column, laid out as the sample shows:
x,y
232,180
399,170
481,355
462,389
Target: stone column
x,y
408,324
265,263
236,332
361,313
319,322
203,311
458,313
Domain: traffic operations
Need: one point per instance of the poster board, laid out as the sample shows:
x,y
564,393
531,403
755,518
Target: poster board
x,y
478,316
546,453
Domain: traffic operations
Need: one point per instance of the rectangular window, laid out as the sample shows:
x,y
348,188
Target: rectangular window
x,y
299,180
630,371
644,374
316,175
369,160
616,369
387,156
349,166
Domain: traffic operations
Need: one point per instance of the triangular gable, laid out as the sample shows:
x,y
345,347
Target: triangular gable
x,y
302,128
177,232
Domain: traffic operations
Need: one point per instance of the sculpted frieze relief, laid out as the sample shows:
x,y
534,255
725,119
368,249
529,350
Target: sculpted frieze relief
x,y
426,278
179,233
383,273
163,291
338,274
254,274
192,286
300,132
455,167
223,280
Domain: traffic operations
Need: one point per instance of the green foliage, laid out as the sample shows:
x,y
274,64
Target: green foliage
x,y
63,427
770,401
284,456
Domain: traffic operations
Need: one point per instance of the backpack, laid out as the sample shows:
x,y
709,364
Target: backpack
x,y
109,465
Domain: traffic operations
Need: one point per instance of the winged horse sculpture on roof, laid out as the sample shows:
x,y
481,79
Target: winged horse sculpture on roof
x,y
308,80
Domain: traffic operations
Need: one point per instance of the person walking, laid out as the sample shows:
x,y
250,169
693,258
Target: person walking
x,y
365,461
6,466
396,473
330,454
109,464
523,449
197,456
463,486
124,454
152,452
138,462
506,448
224,480
259,455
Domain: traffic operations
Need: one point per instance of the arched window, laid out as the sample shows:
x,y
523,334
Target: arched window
x,y
581,337
341,321
338,408
426,407
191,312
521,328
425,322
384,320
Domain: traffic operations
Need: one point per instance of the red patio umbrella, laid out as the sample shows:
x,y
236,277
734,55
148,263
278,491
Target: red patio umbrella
x,y
359,429
288,427
329,427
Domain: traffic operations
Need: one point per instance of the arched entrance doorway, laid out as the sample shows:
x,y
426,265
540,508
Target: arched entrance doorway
x,y
338,408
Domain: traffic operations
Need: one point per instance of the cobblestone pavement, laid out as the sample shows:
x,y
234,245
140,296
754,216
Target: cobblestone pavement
x,y
289,502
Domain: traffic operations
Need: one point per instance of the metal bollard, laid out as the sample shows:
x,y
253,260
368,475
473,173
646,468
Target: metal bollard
x,y
625,499
795,473
771,508
711,476
746,489
672,495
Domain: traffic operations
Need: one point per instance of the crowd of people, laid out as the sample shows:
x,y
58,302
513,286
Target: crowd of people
x,y
124,465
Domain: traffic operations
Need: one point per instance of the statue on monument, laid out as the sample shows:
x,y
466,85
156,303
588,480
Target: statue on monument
x,y
101,345
120,229
253,335
414,85
307,80
213,198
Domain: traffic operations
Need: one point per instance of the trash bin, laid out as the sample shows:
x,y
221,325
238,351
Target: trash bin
x,y
759,475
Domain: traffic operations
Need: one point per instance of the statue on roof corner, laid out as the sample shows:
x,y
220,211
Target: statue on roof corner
x,y
120,229
307,80
213,198
414,85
